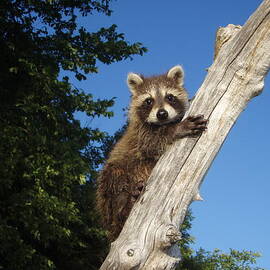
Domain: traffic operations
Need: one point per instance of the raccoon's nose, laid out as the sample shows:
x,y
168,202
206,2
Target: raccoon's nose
x,y
162,114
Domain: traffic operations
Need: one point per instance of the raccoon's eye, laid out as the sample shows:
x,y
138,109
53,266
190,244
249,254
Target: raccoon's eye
x,y
149,101
171,98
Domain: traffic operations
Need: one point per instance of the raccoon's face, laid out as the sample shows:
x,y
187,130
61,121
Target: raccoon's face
x,y
160,99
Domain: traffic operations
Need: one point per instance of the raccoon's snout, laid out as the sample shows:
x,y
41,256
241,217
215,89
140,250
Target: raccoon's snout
x,y
162,114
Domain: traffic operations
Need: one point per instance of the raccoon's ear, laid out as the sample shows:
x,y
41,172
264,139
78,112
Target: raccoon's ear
x,y
134,80
176,73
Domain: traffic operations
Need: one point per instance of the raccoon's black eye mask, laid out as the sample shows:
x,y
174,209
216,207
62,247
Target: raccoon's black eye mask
x,y
149,101
171,98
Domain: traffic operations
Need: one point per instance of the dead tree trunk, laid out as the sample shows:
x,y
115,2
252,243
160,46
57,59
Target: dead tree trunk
x,y
148,238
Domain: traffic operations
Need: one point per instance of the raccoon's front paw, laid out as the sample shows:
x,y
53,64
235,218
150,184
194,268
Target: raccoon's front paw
x,y
137,190
192,126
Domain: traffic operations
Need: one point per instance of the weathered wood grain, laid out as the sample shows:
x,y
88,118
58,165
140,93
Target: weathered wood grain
x,y
148,238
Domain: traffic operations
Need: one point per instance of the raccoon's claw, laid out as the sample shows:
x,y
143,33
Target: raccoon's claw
x,y
192,126
138,187
199,123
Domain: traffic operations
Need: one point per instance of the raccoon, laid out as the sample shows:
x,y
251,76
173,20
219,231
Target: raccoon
x,y
157,107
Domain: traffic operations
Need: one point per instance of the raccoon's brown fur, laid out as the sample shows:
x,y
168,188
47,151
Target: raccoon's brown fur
x,y
150,130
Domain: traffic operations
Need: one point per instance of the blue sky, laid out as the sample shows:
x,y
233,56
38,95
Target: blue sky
x,y
235,212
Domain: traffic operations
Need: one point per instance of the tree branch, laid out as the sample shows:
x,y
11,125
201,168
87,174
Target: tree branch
x,y
242,60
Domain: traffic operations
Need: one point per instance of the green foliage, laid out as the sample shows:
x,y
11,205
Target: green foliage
x,y
217,260
187,239
48,161
49,31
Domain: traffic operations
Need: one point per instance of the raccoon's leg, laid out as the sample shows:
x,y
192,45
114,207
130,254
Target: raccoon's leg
x,y
116,195
191,126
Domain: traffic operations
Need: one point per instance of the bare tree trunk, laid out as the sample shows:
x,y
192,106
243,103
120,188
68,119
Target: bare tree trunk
x,y
148,238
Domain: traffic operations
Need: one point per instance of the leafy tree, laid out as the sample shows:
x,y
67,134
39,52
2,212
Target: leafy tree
x,y
48,161
217,260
